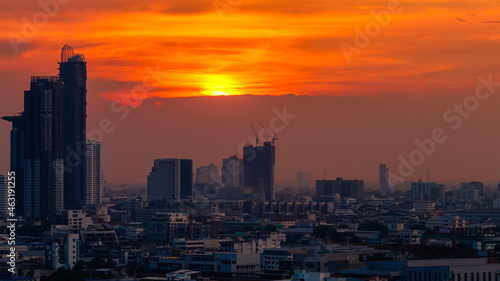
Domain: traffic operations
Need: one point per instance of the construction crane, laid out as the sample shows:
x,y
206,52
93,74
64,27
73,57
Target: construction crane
x,y
255,134
273,137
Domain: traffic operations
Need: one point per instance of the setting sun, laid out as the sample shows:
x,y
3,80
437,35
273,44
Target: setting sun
x,y
218,85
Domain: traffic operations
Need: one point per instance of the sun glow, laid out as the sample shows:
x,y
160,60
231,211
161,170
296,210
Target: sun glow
x,y
217,85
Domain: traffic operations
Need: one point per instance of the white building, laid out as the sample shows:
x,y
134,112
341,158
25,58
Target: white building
x,y
75,219
62,251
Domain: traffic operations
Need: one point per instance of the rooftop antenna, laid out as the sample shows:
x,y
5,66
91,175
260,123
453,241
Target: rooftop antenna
x,y
255,134
428,175
325,174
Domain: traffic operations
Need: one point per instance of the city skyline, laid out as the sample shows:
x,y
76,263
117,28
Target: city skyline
x,y
182,67
250,140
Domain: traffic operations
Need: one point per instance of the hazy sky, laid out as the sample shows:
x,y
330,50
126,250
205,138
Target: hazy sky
x,y
418,60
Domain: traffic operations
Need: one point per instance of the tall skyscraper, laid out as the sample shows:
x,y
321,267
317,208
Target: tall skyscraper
x,y
383,178
48,141
43,148
170,179
232,172
94,178
73,76
259,168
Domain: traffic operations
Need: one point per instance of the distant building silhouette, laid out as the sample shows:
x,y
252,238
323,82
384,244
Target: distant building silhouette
x,y
170,179
94,177
474,185
303,179
207,174
232,172
345,188
383,178
48,141
73,75
429,191
37,149
259,169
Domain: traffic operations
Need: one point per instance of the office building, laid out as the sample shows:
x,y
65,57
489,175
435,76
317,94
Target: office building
x,y
259,169
344,188
429,191
170,179
73,76
94,175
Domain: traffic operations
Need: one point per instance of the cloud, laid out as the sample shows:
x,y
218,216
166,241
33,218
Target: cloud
x,y
459,19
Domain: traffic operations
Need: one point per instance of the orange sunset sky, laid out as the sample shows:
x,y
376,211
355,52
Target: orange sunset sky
x,y
254,47
259,47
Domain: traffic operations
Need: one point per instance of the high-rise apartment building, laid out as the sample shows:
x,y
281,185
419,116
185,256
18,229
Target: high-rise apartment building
x,y
43,174
73,77
48,141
